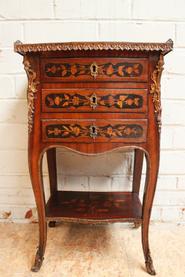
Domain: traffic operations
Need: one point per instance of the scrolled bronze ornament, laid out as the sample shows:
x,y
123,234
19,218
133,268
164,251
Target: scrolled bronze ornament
x,y
156,90
31,91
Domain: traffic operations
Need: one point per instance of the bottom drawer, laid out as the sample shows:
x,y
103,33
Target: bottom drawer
x,y
94,130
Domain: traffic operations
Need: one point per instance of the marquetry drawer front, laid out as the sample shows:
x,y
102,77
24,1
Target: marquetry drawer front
x,y
94,130
94,100
90,69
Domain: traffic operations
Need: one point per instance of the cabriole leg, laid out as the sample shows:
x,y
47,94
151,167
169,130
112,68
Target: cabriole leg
x,y
152,173
35,165
138,165
52,170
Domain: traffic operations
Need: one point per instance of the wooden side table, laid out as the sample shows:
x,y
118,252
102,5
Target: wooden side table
x,y
94,97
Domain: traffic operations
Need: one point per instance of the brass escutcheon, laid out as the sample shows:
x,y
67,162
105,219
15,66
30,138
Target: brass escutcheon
x,y
93,131
93,100
94,69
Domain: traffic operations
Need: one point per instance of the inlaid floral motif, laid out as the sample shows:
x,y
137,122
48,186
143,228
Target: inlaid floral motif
x,y
119,101
108,69
109,131
81,205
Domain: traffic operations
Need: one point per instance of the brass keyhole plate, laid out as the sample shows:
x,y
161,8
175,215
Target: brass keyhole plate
x,y
93,131
93,101
94,69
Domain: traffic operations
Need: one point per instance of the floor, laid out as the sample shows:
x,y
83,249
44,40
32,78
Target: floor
x,y
91,250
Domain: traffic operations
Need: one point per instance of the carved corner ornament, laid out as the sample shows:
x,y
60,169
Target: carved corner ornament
x,y
31,91
156,90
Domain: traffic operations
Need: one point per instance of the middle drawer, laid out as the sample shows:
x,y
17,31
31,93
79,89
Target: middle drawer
x,y
94,100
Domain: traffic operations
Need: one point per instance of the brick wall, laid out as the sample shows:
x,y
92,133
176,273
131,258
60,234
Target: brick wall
x,y
74,20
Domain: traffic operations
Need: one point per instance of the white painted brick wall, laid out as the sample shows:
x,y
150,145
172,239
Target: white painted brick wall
x,y
136,31
96,9
60,31
26,9
180,35
77,20
158,10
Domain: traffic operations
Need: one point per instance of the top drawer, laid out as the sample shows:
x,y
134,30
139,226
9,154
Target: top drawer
x,y
94,69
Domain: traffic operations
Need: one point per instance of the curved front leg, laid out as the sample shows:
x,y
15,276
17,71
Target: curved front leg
x,y
35,166
151,179
138,165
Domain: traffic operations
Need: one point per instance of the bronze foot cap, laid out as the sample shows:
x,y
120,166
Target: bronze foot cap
x,y
150,269
149,264
136,225
52,224
38,262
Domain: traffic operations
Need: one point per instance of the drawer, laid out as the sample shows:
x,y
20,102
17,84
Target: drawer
x,y
91,69
95,130
94,100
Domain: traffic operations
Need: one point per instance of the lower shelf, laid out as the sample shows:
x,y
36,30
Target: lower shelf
x,y
94,206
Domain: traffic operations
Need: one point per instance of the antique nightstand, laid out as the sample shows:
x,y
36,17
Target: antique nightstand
x,y
93,97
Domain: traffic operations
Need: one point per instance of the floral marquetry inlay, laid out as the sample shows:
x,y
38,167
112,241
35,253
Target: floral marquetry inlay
x,y
108,69
31,91
119,101
109,131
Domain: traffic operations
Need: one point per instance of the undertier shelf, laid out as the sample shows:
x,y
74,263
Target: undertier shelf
x,y
94,206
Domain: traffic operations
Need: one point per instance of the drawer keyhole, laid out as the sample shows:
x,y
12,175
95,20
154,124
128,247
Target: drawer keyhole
x,y
93,131
93,101
94,69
